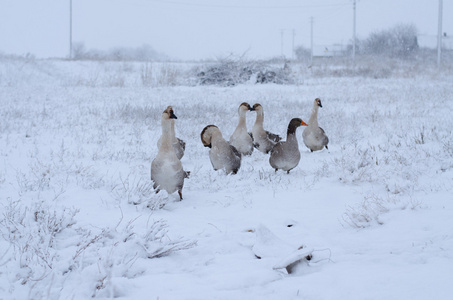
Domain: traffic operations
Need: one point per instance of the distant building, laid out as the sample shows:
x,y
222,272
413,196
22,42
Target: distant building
x,y
329,50
430,41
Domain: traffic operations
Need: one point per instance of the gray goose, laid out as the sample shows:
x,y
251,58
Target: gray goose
x,y
263,140
314,136
285,155
240,138
178,144
166,169
222,154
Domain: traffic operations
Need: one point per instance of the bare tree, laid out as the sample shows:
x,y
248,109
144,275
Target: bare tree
x,y
399,41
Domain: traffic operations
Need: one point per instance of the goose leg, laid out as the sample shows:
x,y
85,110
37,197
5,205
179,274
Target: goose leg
x,y
180,195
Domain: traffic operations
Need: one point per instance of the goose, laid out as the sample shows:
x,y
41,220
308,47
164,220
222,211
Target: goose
x,y
263,140
222,155
166,169
240,139
314,136
178,144
285,155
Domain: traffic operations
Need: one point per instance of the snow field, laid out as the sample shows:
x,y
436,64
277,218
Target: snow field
x,y
80,219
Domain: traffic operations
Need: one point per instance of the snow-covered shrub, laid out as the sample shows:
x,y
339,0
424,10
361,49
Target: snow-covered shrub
x,y
164,74
32,234
138,191
357,164
377,71
231,72
275,75
370,210
123,247
146,74
46,247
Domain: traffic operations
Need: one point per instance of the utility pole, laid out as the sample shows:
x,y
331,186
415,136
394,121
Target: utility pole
x,y
70,29
353,32
439,34
311,38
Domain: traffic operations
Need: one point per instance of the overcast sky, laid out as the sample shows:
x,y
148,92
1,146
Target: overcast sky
x,y
198,29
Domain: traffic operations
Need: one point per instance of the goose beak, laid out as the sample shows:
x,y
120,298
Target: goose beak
x,y
303,123
172,115
251,109
319,104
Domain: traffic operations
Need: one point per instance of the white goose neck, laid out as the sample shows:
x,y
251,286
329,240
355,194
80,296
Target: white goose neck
x,y
259,118
166,135
314,116
216,137
242,118
216,134
172,130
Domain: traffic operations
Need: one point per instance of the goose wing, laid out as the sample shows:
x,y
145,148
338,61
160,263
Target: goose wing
x,y
273,137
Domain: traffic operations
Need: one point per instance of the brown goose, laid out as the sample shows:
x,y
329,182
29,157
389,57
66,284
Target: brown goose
x,y
314,136
285,155
222,155
240,139
263,140
166,169
178,144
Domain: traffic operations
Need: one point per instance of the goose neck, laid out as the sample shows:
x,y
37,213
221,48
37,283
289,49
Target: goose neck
x,y
259,119
216,136
242,120
166,135
314,116
291,138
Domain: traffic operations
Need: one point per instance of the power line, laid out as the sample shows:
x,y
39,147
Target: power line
x,y
210,5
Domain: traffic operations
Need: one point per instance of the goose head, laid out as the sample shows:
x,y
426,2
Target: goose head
x,y
206,135
243,108
294,124
258,108
318,102
169,113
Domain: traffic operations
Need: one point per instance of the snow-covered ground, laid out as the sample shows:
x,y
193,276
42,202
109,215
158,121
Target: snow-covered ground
x,y
79,218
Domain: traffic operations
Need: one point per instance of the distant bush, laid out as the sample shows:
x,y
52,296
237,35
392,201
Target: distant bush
x,y
399,41
230,72
302,53
142,53
366,71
